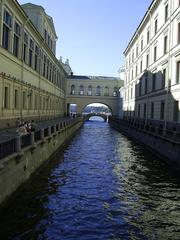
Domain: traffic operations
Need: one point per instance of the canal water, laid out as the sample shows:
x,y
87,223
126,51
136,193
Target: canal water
x,y
101,187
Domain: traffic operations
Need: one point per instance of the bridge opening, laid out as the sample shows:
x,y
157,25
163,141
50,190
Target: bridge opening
x,y
96,112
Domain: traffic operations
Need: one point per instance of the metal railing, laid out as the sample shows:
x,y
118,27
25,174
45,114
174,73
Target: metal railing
x,y
15,145
7,148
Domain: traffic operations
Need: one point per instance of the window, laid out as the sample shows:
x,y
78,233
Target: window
x,y
16,99
141,66
36,102
165,44
136,70
131,92
7,24
25,47
6,97
176,111
148,36
98,91
136,50
90,90
155,26
31,49
178,32
144,110
147,60
47,72
155,53
154,82
141,44
162,110
106,92
178,72
132,74
140,87
133,56
24,100
81,90
164,78
145,85
17,34
166,12
152,110
36,66
139,110
44,67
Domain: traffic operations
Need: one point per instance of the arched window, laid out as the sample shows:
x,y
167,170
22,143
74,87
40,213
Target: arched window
x,y
89,93
81,90
98,91
106,91
72,89
115,92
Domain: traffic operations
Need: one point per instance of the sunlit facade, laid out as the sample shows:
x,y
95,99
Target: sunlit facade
x,y
32,79
152,66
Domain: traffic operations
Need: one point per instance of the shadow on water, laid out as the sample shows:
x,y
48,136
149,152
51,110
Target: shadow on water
x,y
102,186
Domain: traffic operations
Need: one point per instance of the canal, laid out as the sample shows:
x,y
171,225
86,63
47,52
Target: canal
x,y
101,187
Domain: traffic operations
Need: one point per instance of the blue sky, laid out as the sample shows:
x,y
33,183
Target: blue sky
x,y
93,34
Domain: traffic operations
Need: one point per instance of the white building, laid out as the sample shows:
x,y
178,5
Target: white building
x,y
152,66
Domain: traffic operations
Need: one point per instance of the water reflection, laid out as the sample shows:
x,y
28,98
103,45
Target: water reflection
x,y
101,187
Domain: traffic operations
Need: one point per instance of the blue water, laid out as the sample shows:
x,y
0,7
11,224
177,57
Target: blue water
x,y
102,186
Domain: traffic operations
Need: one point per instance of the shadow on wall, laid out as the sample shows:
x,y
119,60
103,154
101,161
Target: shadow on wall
x,y
151,102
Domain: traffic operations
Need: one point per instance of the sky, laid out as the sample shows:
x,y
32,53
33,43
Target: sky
x,y
93,34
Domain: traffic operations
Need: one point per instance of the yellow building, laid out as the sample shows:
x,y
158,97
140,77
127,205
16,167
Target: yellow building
x,y
32,79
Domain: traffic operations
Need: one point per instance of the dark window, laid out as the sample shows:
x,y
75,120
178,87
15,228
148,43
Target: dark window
x,y
178,72
16,45
148,36
139,110
144,110
155,53
141,65
154,82
6,29
176,111
140,87
6,97
155,26
178,32
141,44
165,44
152,110
162,110
136,51
6,37
166,12
147,60
145,85
16,98
164,78
30,57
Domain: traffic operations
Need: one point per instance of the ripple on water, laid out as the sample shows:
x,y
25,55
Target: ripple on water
x,y
103,186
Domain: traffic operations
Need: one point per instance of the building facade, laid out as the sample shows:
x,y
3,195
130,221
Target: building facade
x,y
32,79
84,90
151,89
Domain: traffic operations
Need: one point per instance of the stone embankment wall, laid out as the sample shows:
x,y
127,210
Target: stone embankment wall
x,y
30,155
165,143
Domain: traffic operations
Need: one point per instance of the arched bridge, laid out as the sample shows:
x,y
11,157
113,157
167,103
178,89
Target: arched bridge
x,y
84,90
87,116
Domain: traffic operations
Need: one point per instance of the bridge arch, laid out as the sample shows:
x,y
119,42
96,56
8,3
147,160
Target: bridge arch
x,y
98,110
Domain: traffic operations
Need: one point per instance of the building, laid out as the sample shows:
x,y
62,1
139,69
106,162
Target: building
x,y
84,90
151,89
32,79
